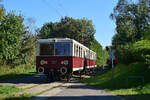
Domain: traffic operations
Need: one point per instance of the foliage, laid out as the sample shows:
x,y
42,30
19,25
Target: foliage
x,y
28,49
2,12
11,29
101,54
81,30
124,54
132,19
141,49
137,51
147,33
17,43
147,60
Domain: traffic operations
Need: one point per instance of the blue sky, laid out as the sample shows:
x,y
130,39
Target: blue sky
x,y
52,10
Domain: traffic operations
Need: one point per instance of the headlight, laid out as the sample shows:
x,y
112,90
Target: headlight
x,y
65,62
42,62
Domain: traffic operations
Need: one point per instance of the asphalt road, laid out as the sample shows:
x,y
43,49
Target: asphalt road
x,y
76,91
38,85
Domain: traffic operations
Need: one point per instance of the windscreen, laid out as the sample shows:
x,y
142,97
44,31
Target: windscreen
x,y
62,49
46,49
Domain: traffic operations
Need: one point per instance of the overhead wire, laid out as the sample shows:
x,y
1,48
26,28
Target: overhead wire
x,y
62,7
51,7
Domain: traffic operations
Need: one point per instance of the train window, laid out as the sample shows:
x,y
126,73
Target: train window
x,y
74,50
46,49
62,49
81,51
77,51
90,55
93,55
84,54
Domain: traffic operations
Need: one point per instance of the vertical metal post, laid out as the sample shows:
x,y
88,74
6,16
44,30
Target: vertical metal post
x,y
112,69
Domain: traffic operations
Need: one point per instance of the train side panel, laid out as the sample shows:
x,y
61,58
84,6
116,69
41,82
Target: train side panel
x,y
78,63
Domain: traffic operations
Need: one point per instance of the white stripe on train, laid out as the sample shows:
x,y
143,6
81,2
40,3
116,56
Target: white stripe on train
x,y
81,68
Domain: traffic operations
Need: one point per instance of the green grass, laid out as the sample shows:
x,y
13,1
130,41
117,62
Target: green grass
x,y
11,93
16,72
135,90
7,89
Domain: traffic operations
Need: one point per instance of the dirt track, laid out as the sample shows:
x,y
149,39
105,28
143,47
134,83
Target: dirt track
x,y
38,85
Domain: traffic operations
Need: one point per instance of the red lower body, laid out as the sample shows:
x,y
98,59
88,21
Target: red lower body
x,y
57,62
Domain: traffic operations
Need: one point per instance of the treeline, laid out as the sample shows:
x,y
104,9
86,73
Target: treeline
x,y
132,31
82,30
17,42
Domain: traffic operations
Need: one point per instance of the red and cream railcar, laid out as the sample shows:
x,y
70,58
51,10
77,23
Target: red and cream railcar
x,y
58,57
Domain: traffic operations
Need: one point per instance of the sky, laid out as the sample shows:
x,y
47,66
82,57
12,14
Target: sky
x,y
44,11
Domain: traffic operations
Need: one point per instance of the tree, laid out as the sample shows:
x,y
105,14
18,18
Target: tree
x,y
147,33
78,29
2,11
16,40
11,29
131,19
27,51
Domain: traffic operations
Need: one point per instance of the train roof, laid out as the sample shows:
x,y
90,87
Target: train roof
x,y
61,40
54,40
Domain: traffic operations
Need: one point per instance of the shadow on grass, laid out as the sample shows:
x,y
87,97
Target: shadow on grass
x,y
136,97
125,97
31,78
12,76
92,97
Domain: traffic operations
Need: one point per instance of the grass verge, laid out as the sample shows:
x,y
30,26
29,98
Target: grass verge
x,y
10,93
16,72
118,86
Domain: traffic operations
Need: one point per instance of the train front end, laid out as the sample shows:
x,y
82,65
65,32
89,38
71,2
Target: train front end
x,y
54,58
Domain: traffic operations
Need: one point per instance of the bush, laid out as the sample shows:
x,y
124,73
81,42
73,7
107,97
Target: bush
x,y
124,54
147,60
138,51
141,49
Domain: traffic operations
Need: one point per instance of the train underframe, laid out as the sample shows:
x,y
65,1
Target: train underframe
x,y
56,74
